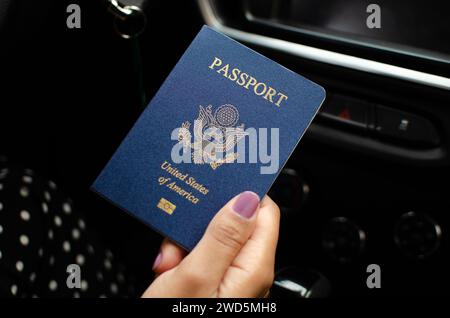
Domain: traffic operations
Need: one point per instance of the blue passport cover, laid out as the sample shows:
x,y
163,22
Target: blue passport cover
x,y
225,85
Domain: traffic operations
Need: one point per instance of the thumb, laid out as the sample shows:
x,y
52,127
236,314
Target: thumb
x,y
227,233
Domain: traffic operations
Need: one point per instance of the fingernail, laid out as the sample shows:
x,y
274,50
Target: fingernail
x,y
157,260
246,204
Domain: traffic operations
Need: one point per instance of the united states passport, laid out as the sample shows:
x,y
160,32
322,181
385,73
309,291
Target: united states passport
x,y
225,121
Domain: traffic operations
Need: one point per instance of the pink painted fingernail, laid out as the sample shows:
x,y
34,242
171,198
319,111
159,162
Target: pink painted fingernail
x,y
246,204
157,261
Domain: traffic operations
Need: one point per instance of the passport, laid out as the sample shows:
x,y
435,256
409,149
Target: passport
x,y
225,121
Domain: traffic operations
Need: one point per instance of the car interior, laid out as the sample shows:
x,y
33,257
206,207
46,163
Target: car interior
x,y
368,183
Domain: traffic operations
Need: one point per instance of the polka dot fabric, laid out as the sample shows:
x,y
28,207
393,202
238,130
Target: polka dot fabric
x,y
41,233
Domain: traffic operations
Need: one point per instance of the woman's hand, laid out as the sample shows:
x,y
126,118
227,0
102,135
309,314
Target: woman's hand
x,y
235,257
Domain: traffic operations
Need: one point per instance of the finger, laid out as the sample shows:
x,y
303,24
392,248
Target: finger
x,y
265,236
225,236
170,255
251,273
260,249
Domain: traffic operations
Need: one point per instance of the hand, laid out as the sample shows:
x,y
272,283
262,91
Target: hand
x,y
235,257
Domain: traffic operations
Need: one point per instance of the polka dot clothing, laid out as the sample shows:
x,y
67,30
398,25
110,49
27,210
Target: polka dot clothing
x,y
41,234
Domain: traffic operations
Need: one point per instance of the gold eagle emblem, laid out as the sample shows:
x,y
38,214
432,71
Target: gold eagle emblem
x,y
215,135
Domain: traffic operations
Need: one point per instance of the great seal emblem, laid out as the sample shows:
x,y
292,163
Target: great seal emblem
x,y
215,135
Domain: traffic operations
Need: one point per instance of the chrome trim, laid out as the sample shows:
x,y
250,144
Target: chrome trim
x,y
324,56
